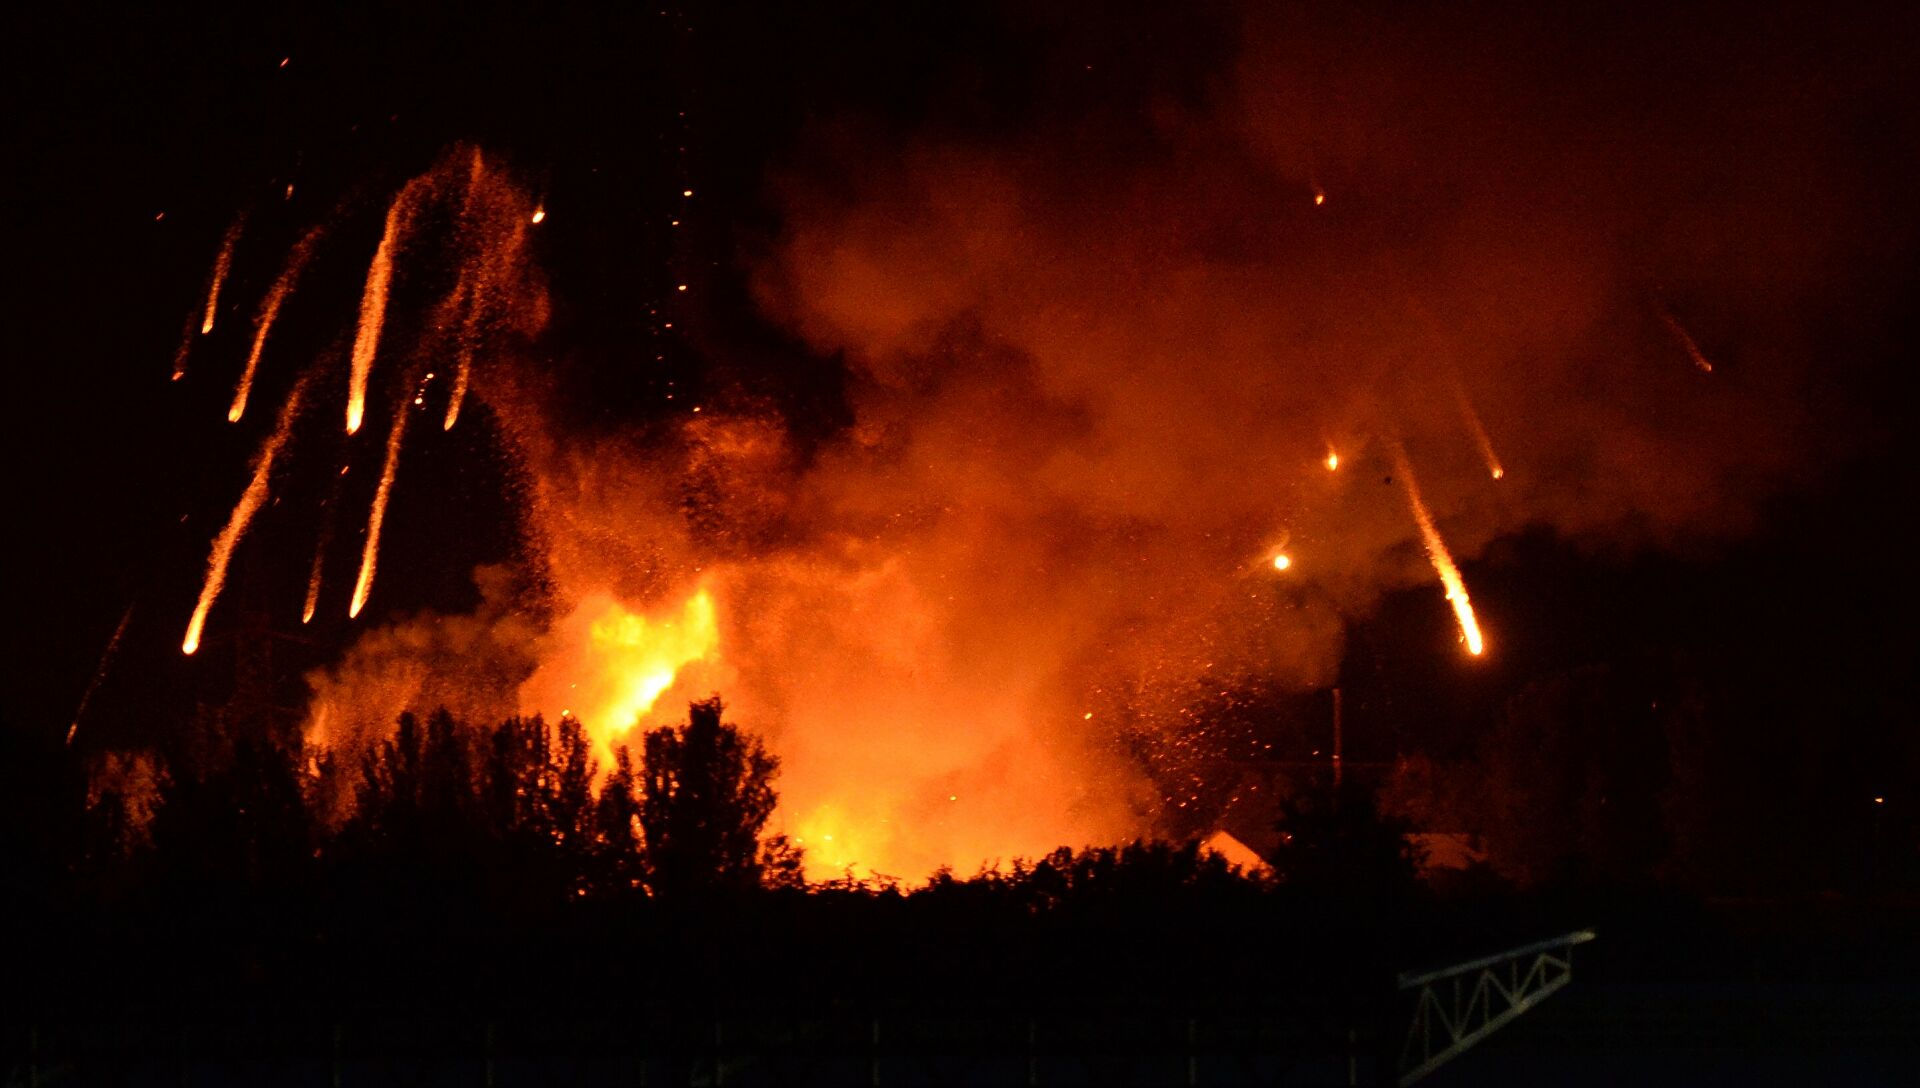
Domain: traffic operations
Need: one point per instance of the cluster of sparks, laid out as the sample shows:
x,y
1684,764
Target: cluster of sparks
x,y
488,258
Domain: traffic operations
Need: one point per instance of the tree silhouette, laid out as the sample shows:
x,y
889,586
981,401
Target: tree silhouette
x,y
706,794
1335,842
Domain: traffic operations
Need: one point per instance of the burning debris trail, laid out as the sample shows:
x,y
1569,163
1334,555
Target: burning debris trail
x,y
373,307
1686,341
263,323
220,265
99,674
370,555
1442,560
1479,430
250,501
328,506
468,293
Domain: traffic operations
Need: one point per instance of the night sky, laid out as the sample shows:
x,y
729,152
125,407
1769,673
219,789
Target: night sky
x,y
1788,594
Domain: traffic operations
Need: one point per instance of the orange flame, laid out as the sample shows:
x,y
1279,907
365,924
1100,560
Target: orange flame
x,y
614,663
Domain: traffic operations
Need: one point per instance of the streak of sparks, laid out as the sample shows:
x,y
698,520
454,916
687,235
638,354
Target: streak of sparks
x,y
1442,560
1686,341
370,554
243,511
373,309
220,265
106,658
269,310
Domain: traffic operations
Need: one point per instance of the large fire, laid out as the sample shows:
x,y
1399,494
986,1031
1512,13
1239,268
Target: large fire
x,y
612,664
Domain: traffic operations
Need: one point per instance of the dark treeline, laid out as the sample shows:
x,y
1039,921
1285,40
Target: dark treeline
x,y
500,865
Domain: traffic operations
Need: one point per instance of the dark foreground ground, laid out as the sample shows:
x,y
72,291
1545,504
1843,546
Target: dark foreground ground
x,y
1823,991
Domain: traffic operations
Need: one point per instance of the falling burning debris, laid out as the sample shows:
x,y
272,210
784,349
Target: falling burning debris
x,y
1333,460
1479,431
1282,561
370,553
263,324
249,504
1442,560
220,265
99,674
313,582
1686,341
373,307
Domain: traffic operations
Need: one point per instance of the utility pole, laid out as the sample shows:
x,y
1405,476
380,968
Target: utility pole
x,y
1337,771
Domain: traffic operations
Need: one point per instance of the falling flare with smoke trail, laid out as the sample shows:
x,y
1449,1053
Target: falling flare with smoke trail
x,y
263,324
221,263
1686,341
99,674
1442,559
1479,431
370,554
243,511
373,308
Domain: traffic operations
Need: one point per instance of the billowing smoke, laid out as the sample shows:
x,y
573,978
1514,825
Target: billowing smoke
x,y
1101,364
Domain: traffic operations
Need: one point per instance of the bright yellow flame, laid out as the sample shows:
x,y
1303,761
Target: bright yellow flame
x,y
243,511
1333,461
643,656
614,663
1282,562
1319,198
1442,560
539,215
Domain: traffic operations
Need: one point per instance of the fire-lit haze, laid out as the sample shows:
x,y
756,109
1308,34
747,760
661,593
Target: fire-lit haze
x,y
1134,394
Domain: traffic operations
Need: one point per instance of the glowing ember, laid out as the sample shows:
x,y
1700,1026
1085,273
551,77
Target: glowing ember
x,y
1442,560
370,554
1282,561
1333,461
249,504
539,215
